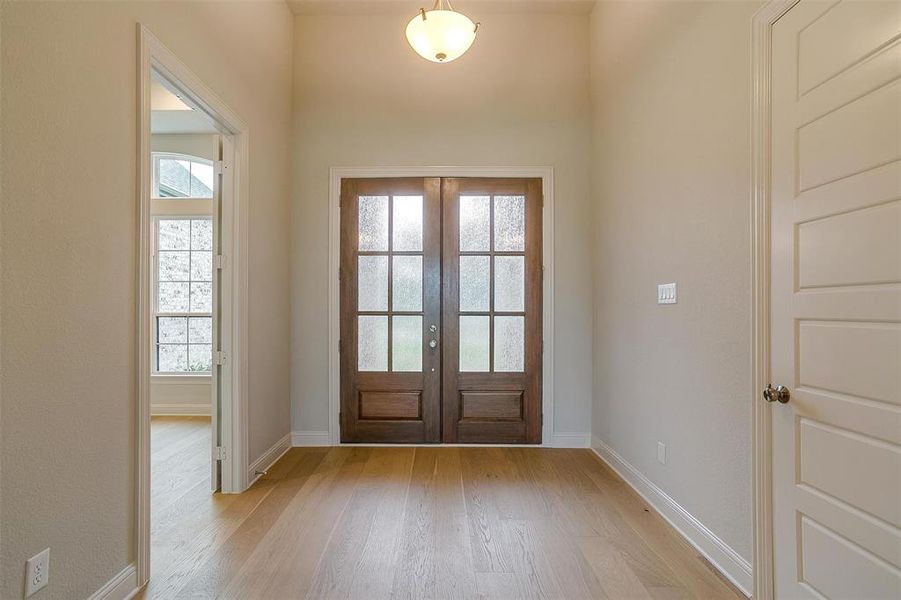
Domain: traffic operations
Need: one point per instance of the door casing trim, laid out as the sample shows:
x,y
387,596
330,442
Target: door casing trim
x,y
761,160
336,174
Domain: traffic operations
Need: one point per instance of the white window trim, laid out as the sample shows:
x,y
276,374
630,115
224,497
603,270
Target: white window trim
x,y
180,379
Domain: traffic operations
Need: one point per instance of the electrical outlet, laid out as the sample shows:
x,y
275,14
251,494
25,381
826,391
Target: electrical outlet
x,y
37,572
661,453
666,293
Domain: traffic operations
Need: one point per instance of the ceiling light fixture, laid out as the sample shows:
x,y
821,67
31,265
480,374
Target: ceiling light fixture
x,y
441,34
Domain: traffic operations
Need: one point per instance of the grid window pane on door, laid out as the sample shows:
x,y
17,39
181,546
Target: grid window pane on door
x,y
390,283
184,295
492,283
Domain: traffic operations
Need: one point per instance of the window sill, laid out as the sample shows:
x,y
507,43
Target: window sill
x,y
175,379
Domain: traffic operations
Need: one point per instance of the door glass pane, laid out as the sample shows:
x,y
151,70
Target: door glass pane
x,y
373,223
372,274
509,352
174,266
406,294
474,343
174,234
407,223
509,283
474,283
173,297
510,223
372,345
475,223
172,330
406,347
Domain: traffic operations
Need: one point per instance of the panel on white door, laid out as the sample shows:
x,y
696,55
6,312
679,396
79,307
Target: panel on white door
x,y
836,300
829,558
831,459
840,37
859,247
851,139
852,358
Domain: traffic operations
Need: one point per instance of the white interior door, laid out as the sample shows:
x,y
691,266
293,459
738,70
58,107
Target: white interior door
x,y
836,299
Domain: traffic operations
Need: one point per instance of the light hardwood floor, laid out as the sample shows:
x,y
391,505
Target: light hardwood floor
x,y
425,522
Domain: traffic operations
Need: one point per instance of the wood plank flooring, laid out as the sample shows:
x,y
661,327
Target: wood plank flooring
x,y
427,522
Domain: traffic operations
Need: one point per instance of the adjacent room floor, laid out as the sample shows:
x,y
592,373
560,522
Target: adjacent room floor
x,y
180,499
423,522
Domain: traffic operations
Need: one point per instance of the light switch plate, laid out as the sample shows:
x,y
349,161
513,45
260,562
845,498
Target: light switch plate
x,y
661,453
666,293
37,572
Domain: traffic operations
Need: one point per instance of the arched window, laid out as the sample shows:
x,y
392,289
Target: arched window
x,y
181,176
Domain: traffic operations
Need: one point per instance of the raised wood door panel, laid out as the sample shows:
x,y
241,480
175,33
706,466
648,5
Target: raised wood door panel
x,y
390,297
836,300
492,310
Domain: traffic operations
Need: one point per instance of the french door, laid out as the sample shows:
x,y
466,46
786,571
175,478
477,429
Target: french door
x,y
441,310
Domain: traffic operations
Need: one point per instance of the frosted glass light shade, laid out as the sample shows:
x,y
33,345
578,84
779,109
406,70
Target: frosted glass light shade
x,y
442,35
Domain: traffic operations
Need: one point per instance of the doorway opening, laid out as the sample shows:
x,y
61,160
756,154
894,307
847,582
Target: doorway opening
x,y
441,310
187,154
191,423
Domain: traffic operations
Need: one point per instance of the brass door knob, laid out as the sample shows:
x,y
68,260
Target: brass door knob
x,y
779,394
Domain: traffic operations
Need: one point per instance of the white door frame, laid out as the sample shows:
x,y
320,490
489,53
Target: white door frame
x,y
761,160
546,174
153,55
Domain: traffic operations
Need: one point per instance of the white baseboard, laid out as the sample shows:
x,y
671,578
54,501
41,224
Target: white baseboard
x,y
570,440
311,438
269,458
729,562
122,586
180,410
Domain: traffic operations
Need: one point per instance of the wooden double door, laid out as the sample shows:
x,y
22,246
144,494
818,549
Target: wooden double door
x,y
441,310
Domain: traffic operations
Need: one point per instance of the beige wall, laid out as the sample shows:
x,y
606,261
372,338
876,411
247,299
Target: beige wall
x,y
67,222
671,106
362,97
195,144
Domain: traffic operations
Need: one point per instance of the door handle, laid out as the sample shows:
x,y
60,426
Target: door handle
x,y
433,343
780,394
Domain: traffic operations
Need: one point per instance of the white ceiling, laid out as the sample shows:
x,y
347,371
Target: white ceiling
x,y
302,7
161,98
170,114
